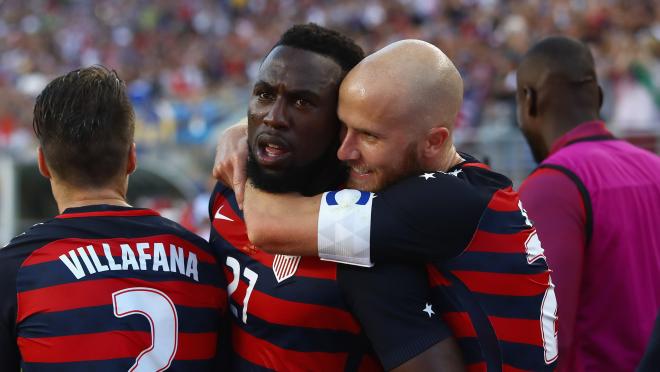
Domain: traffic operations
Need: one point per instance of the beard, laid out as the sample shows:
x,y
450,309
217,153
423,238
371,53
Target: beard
x,y
409,165
321,174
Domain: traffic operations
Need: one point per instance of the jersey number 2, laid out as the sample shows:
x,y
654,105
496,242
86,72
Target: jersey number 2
x,y
161,313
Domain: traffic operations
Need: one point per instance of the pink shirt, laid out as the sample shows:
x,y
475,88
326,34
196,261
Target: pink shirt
x,y
608,289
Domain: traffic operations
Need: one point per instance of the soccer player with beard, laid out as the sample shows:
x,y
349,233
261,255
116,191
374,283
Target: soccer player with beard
x,y
288,313
433,205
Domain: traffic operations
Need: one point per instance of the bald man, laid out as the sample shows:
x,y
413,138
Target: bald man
x,y
434,206
596,203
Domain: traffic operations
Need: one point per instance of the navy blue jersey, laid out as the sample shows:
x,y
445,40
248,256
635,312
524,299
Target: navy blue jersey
x,y
111,289
488,274
288,311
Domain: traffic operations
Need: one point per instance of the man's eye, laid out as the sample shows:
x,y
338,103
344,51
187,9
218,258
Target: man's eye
x,y
369,136
302,103
264,96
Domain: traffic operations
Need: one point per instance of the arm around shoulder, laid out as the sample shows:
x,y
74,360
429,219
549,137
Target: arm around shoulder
x,y
282,223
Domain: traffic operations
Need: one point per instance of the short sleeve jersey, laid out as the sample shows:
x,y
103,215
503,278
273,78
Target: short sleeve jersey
x,y
485,263
288,313
110,288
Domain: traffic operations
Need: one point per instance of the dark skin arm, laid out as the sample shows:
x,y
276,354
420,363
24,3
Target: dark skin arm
x,y
444,356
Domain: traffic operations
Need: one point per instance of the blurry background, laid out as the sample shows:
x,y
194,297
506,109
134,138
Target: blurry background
x,y
189,66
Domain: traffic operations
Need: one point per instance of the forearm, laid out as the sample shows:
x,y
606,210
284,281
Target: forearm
x,y
282,223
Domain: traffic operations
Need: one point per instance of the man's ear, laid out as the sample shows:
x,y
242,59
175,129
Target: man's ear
x,y
531,103
41,162
132,159
434,143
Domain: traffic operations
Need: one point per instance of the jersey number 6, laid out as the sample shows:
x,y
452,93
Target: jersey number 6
x,y
161,313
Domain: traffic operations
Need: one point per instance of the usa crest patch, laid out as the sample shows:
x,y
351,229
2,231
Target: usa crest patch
x,y
285,266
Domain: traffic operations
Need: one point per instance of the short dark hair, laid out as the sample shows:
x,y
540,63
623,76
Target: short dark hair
x,y
321,40
85,123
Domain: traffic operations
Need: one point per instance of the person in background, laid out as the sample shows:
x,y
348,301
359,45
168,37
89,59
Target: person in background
x,y
595,201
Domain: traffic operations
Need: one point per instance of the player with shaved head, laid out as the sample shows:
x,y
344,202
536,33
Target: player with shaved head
x,y
596,202
432,205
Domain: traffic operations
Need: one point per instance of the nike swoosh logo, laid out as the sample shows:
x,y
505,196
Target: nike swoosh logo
x,y
222,216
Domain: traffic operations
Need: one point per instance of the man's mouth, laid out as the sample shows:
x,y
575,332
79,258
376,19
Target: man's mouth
x,y
359,171
272,150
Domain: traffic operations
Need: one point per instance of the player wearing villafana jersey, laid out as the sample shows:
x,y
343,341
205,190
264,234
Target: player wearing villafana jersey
x,y
109,288
104,286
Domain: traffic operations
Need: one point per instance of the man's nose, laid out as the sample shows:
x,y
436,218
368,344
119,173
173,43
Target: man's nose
x,y
276,116
348,149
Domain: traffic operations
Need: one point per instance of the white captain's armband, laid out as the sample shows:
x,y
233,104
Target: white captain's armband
x,y
345,227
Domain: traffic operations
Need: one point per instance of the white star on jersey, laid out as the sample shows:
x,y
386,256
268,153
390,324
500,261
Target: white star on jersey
x,y
427,176
429,309
222,216
456,172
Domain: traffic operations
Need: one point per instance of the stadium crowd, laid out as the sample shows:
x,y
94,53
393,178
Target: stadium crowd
x,y
445,227
189,64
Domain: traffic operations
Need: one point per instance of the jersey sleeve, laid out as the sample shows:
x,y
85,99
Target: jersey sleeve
x,y
10,261
432,217
393,304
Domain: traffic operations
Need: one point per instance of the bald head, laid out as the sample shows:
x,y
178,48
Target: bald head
x,y
410,81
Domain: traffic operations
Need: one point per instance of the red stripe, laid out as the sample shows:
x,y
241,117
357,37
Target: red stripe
x,y
236,234
111,345
509,368
298,314
436,278
127,213
504,284
268,355
232,231
499,243
308,267
524,331
99,292
460,324
476,367
504,200
475,165
53,250
369,363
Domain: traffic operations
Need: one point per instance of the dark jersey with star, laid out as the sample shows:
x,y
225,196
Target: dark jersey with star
x,y
485,266
288,313
109,288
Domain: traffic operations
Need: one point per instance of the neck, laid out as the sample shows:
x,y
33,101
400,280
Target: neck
x,y
556,126
68,196
450,158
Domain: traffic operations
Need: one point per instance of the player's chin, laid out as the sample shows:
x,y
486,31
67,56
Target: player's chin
x,y
366,182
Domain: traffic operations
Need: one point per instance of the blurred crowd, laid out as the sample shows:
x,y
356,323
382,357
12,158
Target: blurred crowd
x,y
189,63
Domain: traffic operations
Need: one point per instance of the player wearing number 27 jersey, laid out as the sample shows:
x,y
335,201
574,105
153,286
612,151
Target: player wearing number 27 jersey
x,y
288,312
109,288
